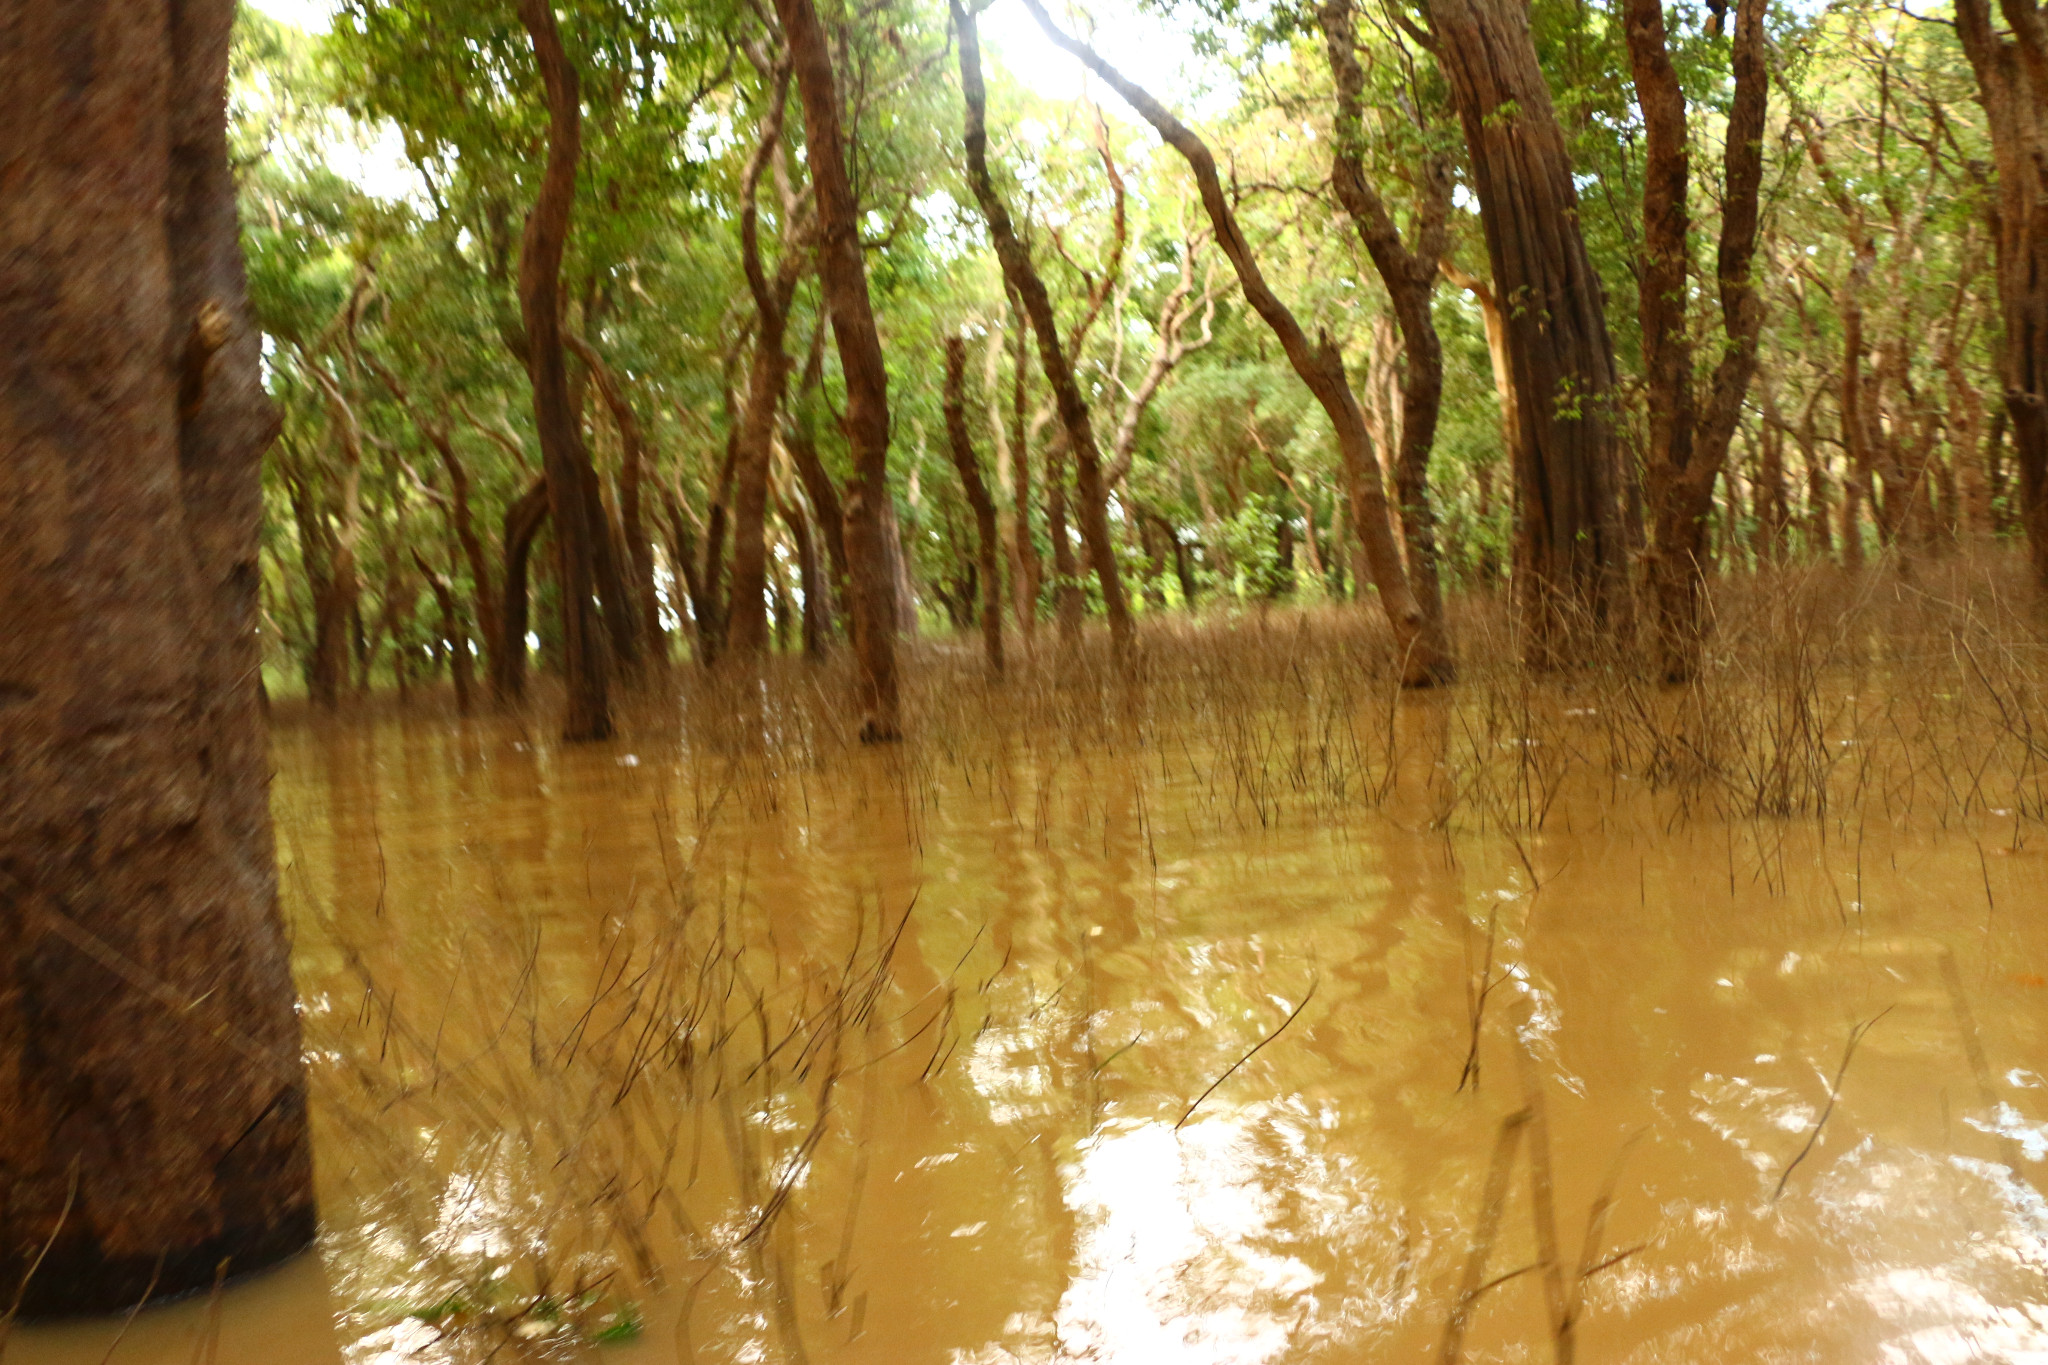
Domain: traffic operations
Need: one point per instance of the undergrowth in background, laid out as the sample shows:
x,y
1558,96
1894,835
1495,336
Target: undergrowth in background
x,y
1823,694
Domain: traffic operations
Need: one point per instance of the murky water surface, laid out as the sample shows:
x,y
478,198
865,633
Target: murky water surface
x,y
1034,1056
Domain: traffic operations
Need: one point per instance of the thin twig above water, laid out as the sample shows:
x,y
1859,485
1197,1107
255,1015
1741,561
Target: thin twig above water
x,y
1313,983
1834,1093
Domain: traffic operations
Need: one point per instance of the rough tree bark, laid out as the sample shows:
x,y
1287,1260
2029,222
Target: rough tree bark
x,y
1689,444
559,423
152,1100
1572,548
1425,655
843,276
1022,277
2012,79
989,553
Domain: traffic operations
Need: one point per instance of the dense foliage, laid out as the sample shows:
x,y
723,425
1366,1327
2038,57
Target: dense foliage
x,y
395,351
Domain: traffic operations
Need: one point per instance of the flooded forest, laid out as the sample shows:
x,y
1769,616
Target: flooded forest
x,y
1164,681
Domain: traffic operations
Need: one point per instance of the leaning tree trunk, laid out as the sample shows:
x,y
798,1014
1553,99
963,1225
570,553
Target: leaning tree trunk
x,y
1022,277
588,669
1418,639
152,1100
1409,272
1573,545
843,276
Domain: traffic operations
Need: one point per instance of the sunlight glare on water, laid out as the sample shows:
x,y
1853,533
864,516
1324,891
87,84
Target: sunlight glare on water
x,y
992,1155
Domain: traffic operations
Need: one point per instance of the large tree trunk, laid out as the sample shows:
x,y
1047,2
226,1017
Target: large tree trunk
x,y
843,275
569,476
1572,544
2012,79
152,1100
1418,639
1688,444
1023,280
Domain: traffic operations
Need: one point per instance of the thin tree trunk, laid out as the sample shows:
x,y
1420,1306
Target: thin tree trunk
x,y
319,551
1419,642
712,602
1023,280
1409,273
843,276
1068,600
1689,444
340,613
569,475
810,575
989,556
767,380
683,554
508,651
455,639
800,440
1774,518
1173,347
1184,570
1497,355
152,1097
1031,569
640,593
1820,539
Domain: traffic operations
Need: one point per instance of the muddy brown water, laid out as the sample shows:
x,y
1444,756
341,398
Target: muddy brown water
x,y
1074,1121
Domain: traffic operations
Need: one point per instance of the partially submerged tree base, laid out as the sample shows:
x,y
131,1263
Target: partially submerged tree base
x,y
152,1097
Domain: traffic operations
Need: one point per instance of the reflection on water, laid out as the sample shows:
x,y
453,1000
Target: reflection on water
x,y
890,1064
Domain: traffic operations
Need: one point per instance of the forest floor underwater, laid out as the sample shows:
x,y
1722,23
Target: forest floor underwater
x,y
1246,1009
